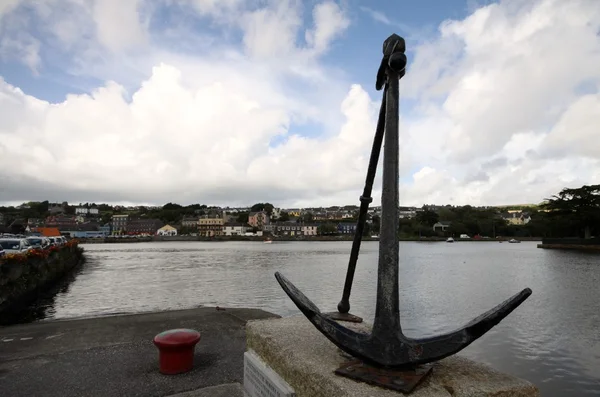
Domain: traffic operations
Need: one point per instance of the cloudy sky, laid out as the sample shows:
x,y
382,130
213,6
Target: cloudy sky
x,y
233,102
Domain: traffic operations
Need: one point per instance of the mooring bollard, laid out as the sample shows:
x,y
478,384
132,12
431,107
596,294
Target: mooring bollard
x,y
176,350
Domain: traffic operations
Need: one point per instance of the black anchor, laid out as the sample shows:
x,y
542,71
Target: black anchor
x,y
386,346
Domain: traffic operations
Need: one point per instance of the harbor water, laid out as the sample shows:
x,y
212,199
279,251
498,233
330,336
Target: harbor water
x,y
552,340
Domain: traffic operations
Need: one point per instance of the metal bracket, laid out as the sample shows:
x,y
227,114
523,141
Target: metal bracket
x,y
337,316
402,381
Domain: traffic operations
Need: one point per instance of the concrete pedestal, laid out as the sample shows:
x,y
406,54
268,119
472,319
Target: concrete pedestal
x,y
306,360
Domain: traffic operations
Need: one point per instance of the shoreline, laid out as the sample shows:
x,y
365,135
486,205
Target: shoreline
x,y
571,243
110,240
574,247
26,277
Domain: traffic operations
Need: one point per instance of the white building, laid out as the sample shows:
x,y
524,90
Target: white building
x,y
234,229
86,211
309,230
276,213
166,230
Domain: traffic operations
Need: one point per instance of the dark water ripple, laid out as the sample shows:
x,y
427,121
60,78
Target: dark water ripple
x,y
553,339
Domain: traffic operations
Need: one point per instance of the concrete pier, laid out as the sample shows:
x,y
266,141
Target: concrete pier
x,y
306,360
115,356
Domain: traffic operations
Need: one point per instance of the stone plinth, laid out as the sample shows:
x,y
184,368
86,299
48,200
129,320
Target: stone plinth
x,y
306,360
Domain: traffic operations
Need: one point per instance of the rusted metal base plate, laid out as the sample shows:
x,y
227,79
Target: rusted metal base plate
x,y
344,317
403,381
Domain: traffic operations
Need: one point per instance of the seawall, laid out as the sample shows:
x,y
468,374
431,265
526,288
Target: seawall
x,y
24,276
283,238
581,244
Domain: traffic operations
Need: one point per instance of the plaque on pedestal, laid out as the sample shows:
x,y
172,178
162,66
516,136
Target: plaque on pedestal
x,y
262,381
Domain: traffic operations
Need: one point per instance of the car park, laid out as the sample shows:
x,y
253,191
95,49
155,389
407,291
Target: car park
x,y
15,245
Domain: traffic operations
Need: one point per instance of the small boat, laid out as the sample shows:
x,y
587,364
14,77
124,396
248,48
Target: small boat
x,y
450,240
268,241
512,240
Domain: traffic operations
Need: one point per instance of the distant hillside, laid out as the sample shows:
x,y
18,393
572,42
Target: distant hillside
x,y
517,206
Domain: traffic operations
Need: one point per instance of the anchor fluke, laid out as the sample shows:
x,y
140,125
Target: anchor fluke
x,y
395,350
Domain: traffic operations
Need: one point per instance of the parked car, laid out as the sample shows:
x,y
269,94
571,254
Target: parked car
x,y
38,242
56,241
15,246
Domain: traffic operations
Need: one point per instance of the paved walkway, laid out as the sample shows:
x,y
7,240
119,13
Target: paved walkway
x,y
115,356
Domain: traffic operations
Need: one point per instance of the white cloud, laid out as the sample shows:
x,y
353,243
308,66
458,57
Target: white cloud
x,y
377,15
507,76
505,109
15,42
7,6
330,22
24,48
175,141
118,24
272,31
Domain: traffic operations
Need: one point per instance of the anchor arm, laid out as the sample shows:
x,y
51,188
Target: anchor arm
x,y
441,346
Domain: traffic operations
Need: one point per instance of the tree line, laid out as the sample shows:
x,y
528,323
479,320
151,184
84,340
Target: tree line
x,y
573,212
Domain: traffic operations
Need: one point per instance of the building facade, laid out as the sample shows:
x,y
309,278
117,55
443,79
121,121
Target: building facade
x,y
190,222
167,230
86,211
143,226
286,229
346,228
210,226
258,219
309,229
234,229
119,224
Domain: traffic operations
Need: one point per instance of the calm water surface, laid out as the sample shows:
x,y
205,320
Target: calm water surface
x,y
553,339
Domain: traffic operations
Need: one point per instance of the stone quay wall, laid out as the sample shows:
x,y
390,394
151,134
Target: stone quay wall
x,y
589,244
24,276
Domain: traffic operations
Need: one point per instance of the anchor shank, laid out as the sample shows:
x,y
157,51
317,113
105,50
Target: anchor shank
x,y
387,311
365,200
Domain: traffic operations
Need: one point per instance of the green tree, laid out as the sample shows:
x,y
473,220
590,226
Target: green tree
x,y
171,207
307,217
446,214
267,207
188,230
242,217
327,229
581,204
376,223
427,217
367,229
284,216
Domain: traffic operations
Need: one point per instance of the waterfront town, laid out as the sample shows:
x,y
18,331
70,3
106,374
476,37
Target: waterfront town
x,y
573,212
100,221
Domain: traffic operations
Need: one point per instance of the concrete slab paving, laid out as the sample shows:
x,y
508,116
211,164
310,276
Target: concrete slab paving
x,y
228,390
115,356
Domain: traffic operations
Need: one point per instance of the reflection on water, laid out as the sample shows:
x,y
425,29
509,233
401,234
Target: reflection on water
x,y
553,339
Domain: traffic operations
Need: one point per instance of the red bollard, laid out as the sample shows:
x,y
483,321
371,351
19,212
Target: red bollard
x,y
176,350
